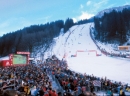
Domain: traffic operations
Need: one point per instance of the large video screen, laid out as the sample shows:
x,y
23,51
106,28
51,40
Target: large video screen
x,y
19,59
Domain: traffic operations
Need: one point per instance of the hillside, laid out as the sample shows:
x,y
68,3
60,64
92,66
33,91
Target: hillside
x,y
32,38
113,27
118,9
76,39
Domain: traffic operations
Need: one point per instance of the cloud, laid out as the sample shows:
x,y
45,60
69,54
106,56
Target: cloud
x,y
81,6
45,19
126,3
99,4
2,33
84,15
88,3
74,19
110,6
96,6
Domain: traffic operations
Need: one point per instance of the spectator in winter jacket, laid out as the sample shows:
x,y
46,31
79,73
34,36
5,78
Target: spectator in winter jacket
x,y
50,92
109,92
54,93
10,93
34,91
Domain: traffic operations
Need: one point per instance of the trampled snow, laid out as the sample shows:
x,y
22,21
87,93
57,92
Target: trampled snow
x,y
112,68
77,42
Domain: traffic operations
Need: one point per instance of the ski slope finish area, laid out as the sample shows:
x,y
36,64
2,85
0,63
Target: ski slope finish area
x,y
77,38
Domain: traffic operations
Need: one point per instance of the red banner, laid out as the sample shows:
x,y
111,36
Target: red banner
x,y
23,52
5,63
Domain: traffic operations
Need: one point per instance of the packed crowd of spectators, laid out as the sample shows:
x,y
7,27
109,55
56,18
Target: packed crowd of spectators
x,y
76,84
29,80
33,80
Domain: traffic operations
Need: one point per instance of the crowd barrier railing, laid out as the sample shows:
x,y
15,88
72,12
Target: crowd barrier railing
x,y
105,52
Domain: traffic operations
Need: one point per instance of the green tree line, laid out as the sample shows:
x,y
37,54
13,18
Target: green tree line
x,y
29,37
113,26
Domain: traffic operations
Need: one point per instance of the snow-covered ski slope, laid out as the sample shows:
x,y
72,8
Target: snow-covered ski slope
x,y
78,38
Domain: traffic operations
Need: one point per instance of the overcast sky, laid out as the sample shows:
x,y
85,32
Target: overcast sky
x,y
17,14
